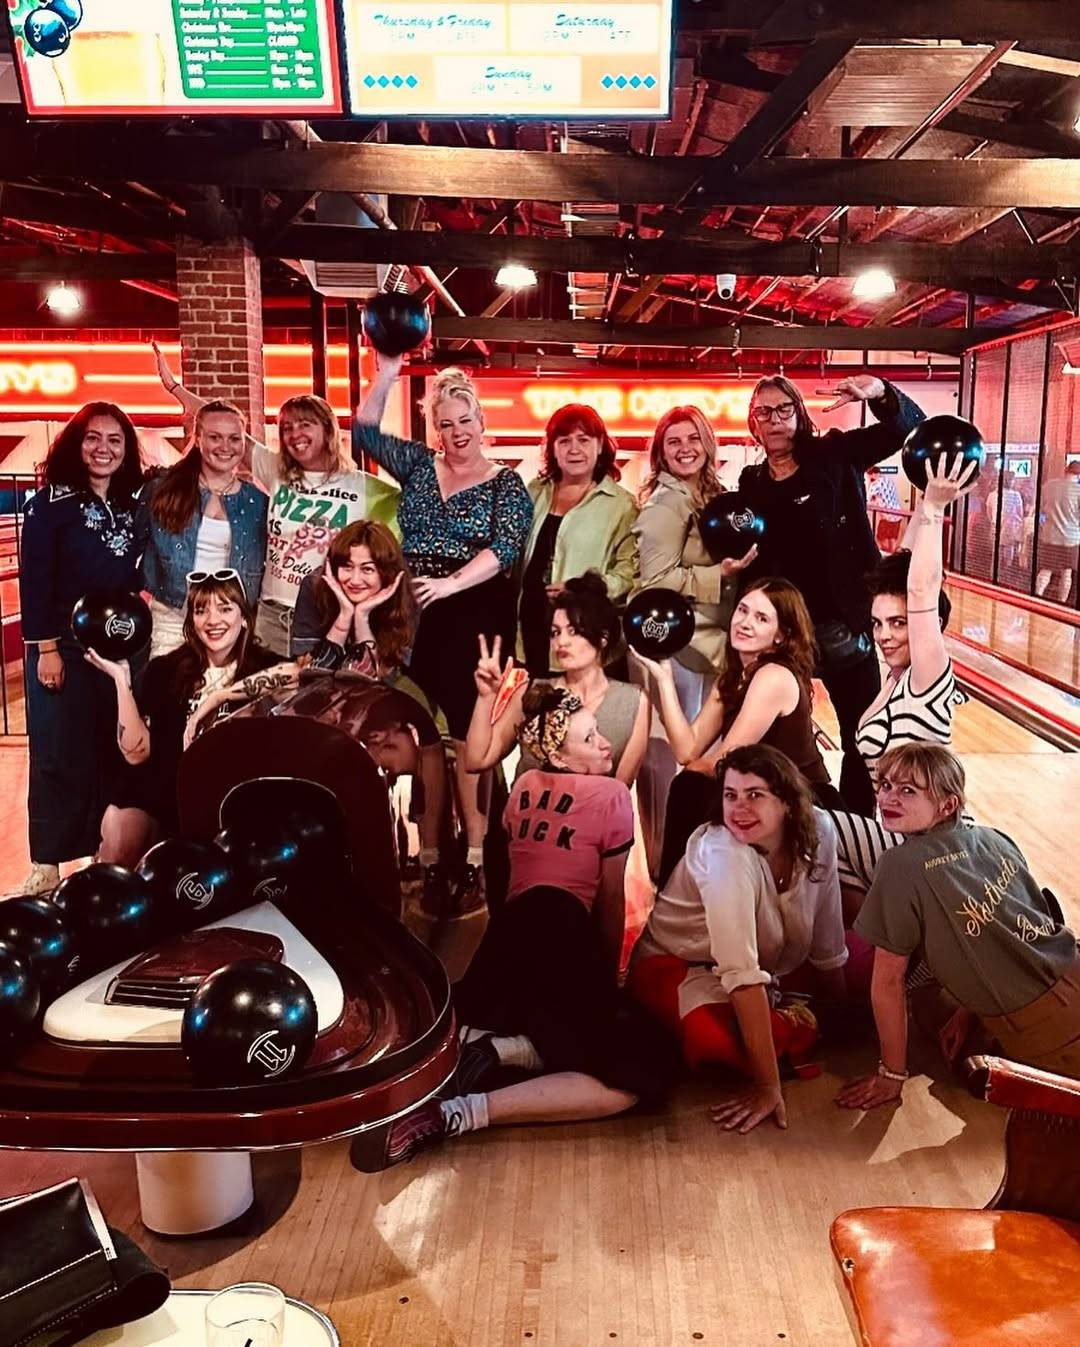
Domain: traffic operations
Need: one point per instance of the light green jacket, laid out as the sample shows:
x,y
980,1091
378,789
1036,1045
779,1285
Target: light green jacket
x,y
594,536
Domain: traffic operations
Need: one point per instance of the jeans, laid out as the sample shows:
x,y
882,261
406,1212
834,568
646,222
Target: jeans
x,y
851,691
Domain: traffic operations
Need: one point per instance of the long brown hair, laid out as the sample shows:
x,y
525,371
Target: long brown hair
x,y
709,484
319,410
805,426
393,623
797,650
192,659
64,465
789,786
177,501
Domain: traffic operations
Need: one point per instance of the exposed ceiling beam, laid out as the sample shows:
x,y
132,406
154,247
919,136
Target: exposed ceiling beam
x,y
66,209
928,262
1036,137
744,336
89,267
805,20
534,175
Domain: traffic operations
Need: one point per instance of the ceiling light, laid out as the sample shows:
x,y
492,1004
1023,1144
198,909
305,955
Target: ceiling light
x,y
62,301
874,283
515,277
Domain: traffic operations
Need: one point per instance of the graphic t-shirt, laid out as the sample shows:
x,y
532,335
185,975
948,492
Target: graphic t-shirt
x,y
562,827
966,896
303,518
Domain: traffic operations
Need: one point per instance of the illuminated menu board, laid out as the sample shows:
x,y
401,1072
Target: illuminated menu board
x,y
508,58
262,57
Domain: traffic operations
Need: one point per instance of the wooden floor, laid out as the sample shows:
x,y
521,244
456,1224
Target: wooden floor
x,y
648,1231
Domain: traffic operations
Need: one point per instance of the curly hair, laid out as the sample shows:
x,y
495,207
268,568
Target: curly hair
x,y
453,382
393,623
578,416
176,500
64,464
890,576
318,409
709,484
584,600
789,786
797,650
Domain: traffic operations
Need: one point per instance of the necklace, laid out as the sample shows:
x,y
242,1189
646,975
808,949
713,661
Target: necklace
x,y
228,490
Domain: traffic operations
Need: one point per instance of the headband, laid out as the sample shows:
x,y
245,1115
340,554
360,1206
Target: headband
x,y
545,733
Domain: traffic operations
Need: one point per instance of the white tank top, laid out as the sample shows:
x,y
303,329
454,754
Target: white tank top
x,y
213,544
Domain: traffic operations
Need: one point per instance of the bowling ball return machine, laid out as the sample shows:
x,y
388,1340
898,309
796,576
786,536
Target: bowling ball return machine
x,y
107,1072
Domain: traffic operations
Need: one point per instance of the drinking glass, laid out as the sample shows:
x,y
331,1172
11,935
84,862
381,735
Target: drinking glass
x,y
250,1314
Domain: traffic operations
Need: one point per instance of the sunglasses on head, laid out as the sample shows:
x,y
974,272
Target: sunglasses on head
x,y
195,578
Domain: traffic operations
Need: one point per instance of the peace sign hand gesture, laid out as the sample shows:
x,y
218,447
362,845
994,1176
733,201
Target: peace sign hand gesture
x,y
490,672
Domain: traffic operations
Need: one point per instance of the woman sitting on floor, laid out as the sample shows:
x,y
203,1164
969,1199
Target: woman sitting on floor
x,y
963,897
544,981
754,898
763,695
181,692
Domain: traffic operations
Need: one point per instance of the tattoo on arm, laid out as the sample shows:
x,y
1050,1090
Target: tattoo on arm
x,y
140,741
257,685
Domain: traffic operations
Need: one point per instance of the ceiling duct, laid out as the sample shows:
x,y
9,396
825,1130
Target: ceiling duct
x,y
588,290
346,280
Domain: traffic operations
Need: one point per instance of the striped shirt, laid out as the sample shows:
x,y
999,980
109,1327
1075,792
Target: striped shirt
x,y
909,717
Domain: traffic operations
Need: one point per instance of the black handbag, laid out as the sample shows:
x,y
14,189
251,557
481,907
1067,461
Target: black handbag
x,y
63,1270
839,646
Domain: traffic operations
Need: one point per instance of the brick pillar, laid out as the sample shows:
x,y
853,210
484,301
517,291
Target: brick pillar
x,y
221,332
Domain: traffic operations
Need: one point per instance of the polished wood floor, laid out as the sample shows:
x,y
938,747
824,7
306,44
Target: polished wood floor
x,y
649,1231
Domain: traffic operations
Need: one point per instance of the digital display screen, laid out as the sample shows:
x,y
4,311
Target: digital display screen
x,y
509,58
179,57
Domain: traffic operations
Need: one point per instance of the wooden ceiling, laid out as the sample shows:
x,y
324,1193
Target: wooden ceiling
x,y
810,140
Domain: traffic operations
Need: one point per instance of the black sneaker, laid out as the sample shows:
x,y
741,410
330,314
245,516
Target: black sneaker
x,y
477,1062
418,1131
435,896
469,898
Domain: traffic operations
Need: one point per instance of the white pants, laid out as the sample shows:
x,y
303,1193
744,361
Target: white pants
x,y
168,631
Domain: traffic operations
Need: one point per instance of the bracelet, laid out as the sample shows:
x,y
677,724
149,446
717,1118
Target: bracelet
x,y
923,610
171,388
884,1072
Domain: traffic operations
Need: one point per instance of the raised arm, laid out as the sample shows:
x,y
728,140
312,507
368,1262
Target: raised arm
x,y
486,744
132,731
191,402
896,415
371,410
688,741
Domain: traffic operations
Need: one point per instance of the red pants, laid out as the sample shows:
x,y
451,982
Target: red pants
x,y
710,1033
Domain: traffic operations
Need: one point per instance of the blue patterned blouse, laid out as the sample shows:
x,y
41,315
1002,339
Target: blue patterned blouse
x,y
495,514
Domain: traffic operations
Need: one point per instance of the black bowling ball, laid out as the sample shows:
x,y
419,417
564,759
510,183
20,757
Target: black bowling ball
x,y
396,322
941,440
38,930
729,526
194,881
20,1000
113,912
658,623
71,11
250,1022
295,828
115,623
266,861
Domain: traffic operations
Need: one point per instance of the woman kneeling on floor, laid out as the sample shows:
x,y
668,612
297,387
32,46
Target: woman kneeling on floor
x,y
544,982
995,943
755,897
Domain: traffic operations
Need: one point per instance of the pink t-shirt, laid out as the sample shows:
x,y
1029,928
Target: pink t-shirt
x,y
562,827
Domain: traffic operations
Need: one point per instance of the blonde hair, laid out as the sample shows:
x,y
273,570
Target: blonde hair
x,y
931,767
708,483
319,410
453,383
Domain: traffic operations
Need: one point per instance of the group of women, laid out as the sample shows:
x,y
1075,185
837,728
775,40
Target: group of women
x,y
769,877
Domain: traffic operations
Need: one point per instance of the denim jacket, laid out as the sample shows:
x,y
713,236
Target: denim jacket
x,y
167,558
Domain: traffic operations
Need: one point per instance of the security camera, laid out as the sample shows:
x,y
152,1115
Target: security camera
x,y
725,285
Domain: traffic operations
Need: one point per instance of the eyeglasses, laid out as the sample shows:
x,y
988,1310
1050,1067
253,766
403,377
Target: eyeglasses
x,y
781,412
194,578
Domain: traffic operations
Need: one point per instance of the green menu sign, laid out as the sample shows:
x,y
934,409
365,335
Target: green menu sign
x,y
251,49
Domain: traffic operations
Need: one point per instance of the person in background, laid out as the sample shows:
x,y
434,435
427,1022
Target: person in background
x,y
313,492
581,522
541,994
682,480
217,661
358,615
464,521
963,898
78,535
754,898
811,492
763,695
200,516
584,627
1059,535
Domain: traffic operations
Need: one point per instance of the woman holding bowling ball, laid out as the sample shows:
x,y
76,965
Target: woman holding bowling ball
x,y
812,492
682,480
464,521
200,516
218,662
78,535
763,695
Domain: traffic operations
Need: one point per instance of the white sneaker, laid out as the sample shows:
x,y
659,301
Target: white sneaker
x,y
41,879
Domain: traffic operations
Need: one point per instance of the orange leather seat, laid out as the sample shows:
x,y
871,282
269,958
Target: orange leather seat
x,y
940,1277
